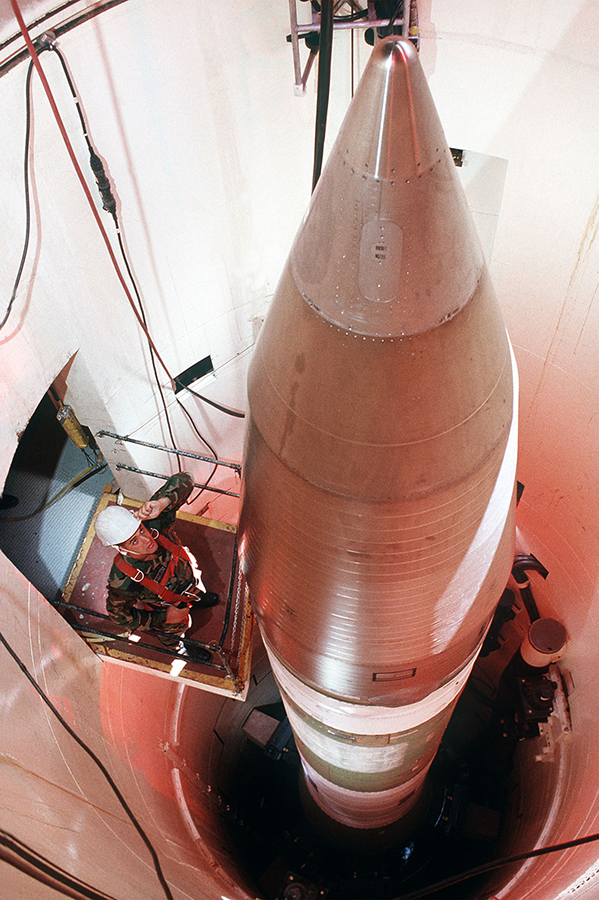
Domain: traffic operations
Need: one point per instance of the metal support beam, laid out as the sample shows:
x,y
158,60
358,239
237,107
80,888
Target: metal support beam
x,y
368,20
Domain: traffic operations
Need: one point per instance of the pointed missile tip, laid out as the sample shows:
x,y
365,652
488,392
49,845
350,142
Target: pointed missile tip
x,y
396,49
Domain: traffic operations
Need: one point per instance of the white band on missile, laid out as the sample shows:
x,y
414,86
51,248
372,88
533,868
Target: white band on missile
x,y
345,755
362,809
360,718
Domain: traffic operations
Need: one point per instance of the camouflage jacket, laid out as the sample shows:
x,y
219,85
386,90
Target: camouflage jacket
x,y
132,605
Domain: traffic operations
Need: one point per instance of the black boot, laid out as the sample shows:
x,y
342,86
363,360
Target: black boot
x,y
193,653
207,598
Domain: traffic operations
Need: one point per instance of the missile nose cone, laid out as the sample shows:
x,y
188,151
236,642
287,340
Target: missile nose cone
x,y
400,130
389,199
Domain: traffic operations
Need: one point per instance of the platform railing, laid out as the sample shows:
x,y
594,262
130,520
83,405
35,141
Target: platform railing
x,y
85,630
217,648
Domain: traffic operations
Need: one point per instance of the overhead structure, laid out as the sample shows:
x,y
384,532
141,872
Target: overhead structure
x,y
363,15
377,529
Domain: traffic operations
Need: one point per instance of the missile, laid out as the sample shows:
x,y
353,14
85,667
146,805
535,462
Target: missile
x,y
377,525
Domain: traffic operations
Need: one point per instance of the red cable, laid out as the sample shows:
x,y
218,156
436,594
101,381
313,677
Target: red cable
x,y
84,185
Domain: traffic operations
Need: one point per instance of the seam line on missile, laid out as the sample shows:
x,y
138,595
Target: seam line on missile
x,y
411,108
377,446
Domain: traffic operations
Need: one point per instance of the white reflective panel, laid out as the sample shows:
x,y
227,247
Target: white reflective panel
x,y
380,257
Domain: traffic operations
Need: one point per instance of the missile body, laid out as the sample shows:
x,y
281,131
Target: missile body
x,y
377,525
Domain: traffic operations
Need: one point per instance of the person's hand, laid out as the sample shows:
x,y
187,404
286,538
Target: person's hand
x,y
151,509
176,616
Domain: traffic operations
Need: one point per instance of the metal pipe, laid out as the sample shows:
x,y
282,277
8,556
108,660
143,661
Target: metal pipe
x,y
205,487
218,648
154,647
130,440
303,30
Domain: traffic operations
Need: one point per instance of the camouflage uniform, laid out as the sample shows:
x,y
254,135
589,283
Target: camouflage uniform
x,y
133,606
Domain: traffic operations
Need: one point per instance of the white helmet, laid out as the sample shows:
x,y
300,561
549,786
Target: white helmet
x,y
115,525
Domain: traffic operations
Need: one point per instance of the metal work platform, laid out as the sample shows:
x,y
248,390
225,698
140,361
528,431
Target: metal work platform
x,y
225,629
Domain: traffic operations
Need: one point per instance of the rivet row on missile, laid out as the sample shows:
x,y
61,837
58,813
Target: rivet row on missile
x,y
377,527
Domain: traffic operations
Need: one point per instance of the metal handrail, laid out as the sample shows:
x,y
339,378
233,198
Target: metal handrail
x,y
124,438
204,487
88,629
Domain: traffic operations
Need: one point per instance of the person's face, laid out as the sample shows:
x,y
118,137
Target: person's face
x,y
141,545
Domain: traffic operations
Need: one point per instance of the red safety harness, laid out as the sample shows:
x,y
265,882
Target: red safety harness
x,y
158,587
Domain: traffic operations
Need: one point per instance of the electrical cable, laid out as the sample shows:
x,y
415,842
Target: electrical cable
x,y
132,817
522,564
94,469
27,196
23,857
109,204
496,864
145,321
63,132
236,413
394,15
324,83
354,17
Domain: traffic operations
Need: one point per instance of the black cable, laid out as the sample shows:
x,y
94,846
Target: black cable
x,y
522,564
393,17
109,204
226,409
496,864
27,197
354,17
98,762
23,857
94,469
324,83
97,167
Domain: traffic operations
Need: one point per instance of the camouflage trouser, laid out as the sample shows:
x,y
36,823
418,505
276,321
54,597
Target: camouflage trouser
x,y
176,629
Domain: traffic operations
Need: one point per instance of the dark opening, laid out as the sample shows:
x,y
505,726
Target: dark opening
x,y
202,367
